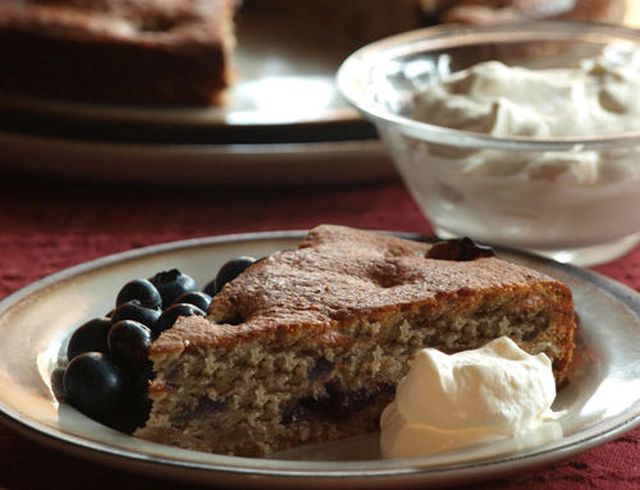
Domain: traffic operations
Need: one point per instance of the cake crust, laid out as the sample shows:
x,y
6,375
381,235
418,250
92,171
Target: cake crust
x,y
339,274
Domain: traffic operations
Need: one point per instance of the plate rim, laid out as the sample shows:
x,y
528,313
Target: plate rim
x,y
157,116
203,165
252,149
367,470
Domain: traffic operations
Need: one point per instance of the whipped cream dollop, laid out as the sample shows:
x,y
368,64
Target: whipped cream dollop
x,y
487,395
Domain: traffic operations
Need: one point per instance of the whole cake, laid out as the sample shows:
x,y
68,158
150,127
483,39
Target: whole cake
x,y
142,51
308,345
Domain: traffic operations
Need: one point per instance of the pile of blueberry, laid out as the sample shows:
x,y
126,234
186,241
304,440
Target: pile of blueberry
x,y
108,373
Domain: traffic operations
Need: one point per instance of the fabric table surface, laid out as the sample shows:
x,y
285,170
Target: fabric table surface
x,y
47,225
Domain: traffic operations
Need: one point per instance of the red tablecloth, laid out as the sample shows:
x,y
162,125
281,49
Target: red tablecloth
x,y
48,225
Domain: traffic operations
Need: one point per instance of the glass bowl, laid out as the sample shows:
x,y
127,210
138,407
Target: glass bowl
x,y
560,213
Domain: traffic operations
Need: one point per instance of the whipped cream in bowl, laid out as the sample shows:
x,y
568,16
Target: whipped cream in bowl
x,y
491,400
594,96
524,137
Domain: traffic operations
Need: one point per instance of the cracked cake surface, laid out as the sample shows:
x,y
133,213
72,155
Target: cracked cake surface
x,y
308,344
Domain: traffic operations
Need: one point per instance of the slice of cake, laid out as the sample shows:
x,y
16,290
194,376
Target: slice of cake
x,y
122,51
308,345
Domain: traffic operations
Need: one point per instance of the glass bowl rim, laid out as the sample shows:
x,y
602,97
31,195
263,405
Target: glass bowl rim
x,y
360,62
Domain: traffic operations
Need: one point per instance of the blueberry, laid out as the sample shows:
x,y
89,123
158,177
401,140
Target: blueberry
x,y
137,405
196,298
462,249
232,269
133,416
138,382
172,284
94,385
143,291
133,310
88,337
171,314
211,288
129,343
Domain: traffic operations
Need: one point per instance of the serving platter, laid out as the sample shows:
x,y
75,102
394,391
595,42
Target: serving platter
x,y
601,401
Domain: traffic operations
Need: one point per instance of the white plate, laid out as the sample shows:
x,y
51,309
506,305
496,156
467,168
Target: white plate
x,y
276,164
602,399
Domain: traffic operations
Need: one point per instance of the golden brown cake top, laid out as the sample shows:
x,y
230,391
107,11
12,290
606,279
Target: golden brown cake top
x,y
157,21
338,275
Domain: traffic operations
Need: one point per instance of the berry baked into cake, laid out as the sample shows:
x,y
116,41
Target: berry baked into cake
x,y
308,345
